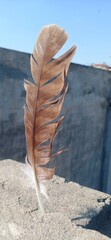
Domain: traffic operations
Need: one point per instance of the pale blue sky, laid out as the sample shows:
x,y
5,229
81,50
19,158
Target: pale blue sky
x,y
87,22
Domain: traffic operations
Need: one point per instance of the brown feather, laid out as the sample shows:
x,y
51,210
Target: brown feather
x,y
44,100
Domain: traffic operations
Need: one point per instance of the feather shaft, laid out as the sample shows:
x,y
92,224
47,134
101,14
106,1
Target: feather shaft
x,y
39,198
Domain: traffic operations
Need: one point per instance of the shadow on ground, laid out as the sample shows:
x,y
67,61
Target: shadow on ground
x,y
100,222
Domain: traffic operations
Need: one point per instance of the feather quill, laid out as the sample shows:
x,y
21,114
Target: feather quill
x,y
44,99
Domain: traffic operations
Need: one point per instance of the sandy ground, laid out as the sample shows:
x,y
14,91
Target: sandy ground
x,y
73,209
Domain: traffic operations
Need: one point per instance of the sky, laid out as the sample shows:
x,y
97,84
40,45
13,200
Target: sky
x,y
88,24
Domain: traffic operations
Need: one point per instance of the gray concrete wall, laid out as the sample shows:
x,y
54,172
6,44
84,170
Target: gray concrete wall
x,y
86,129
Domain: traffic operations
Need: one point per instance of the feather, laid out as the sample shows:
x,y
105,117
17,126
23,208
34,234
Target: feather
x,y
44,99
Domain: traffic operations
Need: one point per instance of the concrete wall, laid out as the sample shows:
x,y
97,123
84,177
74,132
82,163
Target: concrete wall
x,y
86,129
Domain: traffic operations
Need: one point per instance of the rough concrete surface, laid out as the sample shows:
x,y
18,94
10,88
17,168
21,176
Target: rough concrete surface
x,y
74,210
